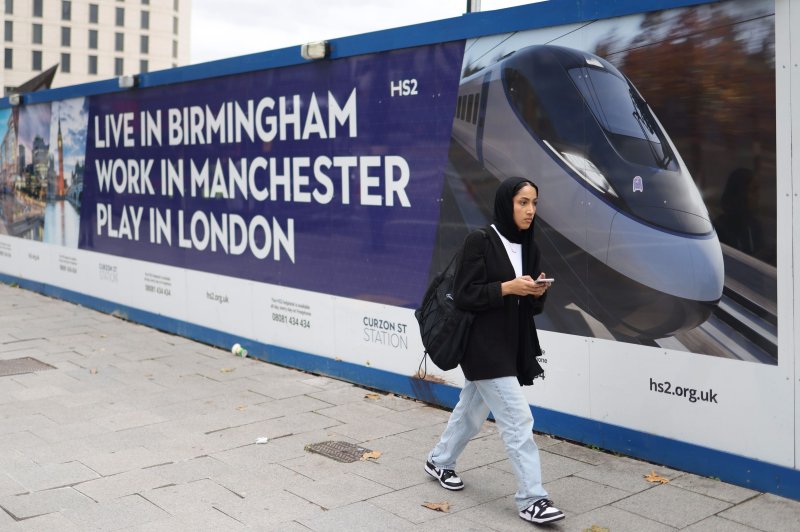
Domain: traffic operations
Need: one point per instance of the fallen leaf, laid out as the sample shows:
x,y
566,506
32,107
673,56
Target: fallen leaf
x,y
655,477
93,371
241,408
438,506
371,454
596,528
227,370
373,396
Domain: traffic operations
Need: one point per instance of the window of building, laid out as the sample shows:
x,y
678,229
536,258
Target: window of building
x,y
92,64
93,39
37,34
37,8
175,49
175,5
143,65
119,42
66,63
175,25
9,58
145,20
117,66
94,13
9,31
120,16
66,37
9,8
66,10
146,2
36,60
144,44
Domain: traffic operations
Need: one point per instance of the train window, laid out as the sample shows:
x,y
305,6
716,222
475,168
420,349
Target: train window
x,y
527,103
611,102
475,108
470,99
460,113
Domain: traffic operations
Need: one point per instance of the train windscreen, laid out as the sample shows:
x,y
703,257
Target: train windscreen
x,y
625,116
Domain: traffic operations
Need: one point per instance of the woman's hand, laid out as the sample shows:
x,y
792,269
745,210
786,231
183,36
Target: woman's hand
x,y
525,286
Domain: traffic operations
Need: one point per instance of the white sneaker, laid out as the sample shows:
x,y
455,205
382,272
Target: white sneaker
x,y
542,511
446,477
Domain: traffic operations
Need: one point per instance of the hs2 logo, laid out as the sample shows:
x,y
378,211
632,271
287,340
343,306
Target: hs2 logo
x,y
403,87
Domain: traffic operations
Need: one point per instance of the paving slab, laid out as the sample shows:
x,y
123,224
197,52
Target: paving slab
x,y
501,515
575,495
271,508
672,506
408,502
418,417
713,488
48,476
451,523
616,519
359,517
339,490
580,453
188,498
9,486
719,524
187,471
121,485
43,502
396,447
55,522
212,520
369,429
356,411
396,474
766,512
129,459
626,474
115,514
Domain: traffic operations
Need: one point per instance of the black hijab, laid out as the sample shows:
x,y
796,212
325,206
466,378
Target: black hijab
x,y
504,217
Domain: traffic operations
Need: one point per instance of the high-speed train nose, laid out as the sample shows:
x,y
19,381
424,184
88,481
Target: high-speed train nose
x,y
672,283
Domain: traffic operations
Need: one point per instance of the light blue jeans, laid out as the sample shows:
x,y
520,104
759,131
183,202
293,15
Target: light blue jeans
x,y
513,417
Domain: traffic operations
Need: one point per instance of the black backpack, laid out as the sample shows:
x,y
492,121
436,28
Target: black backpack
x,y
443,326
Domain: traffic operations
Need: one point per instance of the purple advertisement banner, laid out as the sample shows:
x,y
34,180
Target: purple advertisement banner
x,y
324,176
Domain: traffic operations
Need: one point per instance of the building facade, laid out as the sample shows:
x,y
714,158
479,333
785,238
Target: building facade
x,y
92,40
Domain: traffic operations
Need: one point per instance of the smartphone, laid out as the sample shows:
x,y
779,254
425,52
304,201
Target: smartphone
x,y
545,280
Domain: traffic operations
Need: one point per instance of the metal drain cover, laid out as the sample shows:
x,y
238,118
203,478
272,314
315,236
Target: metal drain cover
x,y
16,366
341,451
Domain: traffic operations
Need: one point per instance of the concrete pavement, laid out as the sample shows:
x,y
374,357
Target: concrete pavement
x,y
135,429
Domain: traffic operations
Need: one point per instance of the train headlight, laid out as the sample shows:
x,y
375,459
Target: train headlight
x,y
586,169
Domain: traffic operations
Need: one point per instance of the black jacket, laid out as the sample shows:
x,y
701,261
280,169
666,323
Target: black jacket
x,y
497,347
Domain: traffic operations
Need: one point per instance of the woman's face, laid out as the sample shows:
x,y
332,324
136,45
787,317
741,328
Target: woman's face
x,y
525,202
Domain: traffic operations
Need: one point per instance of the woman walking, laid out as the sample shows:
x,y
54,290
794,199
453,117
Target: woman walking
x,y
496,281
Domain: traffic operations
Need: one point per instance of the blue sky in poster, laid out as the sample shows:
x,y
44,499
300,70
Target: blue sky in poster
x,y
34,121
73,115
